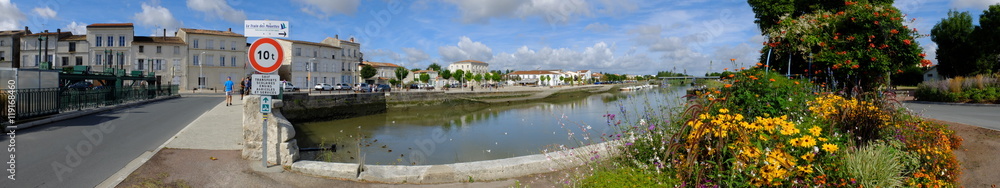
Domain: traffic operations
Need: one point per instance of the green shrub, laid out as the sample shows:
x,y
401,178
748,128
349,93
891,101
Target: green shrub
x,y
627,177
879,165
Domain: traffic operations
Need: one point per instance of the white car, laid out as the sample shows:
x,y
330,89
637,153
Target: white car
x,y
289,87
341,87
323,87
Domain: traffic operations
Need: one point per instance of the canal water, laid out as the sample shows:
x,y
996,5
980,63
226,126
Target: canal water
x,y
466,133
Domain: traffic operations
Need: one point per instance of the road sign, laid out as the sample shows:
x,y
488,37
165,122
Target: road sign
x,y
265,84
265,104
265,55
265,28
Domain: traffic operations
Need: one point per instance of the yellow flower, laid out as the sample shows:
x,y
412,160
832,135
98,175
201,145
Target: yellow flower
x,y
807,141
830,148
815,130
821,139
809,156
723,110
807,169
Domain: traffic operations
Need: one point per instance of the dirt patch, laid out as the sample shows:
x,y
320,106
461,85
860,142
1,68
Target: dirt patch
x,y
977,155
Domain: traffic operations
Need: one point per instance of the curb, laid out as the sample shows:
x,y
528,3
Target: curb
x,y
488,170
952,103
76,114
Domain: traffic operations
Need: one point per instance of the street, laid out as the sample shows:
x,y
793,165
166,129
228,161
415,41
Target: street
x,y
84,151
981,116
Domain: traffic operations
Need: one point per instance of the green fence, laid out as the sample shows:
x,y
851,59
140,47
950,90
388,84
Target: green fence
x,y
30,103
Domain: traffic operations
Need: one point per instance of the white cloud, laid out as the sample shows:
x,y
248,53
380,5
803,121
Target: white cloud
x,y
10,16
466,49
414,55
44,12
931,50
598,27
650,36
76,28
552,11
157,16
974,3
330,7
218,9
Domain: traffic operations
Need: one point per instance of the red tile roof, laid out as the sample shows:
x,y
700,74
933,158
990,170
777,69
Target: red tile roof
x,y
110,25
211,32
50,33
12,32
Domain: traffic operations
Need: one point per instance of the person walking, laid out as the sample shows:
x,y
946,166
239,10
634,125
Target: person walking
x,y
229,91
243,88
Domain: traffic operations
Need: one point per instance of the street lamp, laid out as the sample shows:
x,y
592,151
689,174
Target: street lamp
x,y
201,73
309,70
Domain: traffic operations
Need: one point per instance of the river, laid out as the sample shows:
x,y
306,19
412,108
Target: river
x,y
453,134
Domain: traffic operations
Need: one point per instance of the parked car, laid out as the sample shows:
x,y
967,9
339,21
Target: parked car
x,y
323,86
383,88
289,87
81,85
363,87
414,86
341,87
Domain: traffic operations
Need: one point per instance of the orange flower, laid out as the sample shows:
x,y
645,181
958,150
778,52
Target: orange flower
x,y
732,75
732,59
772,79
907,41
759,64
729,85
796,82
854,66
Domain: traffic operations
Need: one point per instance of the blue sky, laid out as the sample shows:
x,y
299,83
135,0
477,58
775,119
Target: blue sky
x,y
618,36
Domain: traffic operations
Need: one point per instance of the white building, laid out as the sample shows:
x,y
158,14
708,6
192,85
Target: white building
x,y
535,77
350,58
476,67
111,45
165,56
385,72
213,56
309,63
72,50
41,47
10,47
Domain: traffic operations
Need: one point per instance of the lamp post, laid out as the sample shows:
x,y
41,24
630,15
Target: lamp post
x,y
309,66
107,56
38,61
201,73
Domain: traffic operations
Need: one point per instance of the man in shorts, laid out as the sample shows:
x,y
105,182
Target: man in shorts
x,y
229,91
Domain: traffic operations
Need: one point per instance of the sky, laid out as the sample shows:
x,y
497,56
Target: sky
x,y
614,36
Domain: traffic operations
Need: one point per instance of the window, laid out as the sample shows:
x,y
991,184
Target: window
x,y
72,46
121,41
208,60
222,45
97,60
298,51
222,60
111,41
233,45
141,63
233,62
3,43
2,56
158,65
142,49
194,61
210,44
315,54
65,61
177,50
79,60
159,49
194,44
98,43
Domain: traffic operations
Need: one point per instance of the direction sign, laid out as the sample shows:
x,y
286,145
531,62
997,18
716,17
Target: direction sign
x,y
265,55
265,84
265,104
265,28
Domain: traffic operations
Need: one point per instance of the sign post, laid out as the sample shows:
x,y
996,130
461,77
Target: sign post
x,y
265,56
265,28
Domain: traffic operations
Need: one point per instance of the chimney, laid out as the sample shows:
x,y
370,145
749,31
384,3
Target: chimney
x,y
164,32
352,39
58,31
336,36
230,29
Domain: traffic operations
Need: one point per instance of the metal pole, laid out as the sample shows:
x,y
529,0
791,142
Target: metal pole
x,y
263,143
789,65
767,64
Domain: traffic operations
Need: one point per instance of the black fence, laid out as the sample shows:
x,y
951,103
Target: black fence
x,y
31,103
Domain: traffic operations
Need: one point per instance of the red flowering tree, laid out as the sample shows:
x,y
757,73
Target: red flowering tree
x,y
858,44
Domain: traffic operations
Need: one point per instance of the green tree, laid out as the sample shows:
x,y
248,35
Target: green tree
x,y
857,44
401,73
434,66
987,36
367,72
478,78
468,75
955,54
394,81
458,74
445,74
424,77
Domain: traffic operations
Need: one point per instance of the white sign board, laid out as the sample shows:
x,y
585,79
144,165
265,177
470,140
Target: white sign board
x,y
265,104
265,28
265,84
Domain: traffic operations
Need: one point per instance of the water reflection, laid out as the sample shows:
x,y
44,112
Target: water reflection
x,y
465,133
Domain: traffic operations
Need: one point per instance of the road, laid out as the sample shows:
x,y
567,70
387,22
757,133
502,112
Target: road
x,y
84,151
981,116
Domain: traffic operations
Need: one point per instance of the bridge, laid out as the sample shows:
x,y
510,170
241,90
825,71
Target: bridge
x,y
689,77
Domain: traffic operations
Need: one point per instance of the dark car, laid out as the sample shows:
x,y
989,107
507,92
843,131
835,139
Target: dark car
x,y
383,88
82,85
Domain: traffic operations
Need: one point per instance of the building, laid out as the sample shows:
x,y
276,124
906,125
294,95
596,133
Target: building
x,y
111,45
350,58
308,63
385,72
72,50
476,67
534,77
39,48
932,74
10,47
214,56
165,56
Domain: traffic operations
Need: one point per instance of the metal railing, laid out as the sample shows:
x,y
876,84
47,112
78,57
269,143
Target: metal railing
x,y
31,103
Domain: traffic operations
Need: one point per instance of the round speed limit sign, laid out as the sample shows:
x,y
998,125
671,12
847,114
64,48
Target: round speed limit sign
x,y
265,55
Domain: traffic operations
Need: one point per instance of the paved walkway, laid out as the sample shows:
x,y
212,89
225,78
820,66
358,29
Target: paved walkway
x,y
221,128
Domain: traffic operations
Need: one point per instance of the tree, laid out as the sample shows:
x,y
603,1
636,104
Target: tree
x,y
434,66
458,74
468,75
367,72
956,57
854,44
446,74
987,35
394,81
415,70
401,73
424,77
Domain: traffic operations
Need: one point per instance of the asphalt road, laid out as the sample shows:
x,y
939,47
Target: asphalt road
x,y
981,116
84,151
